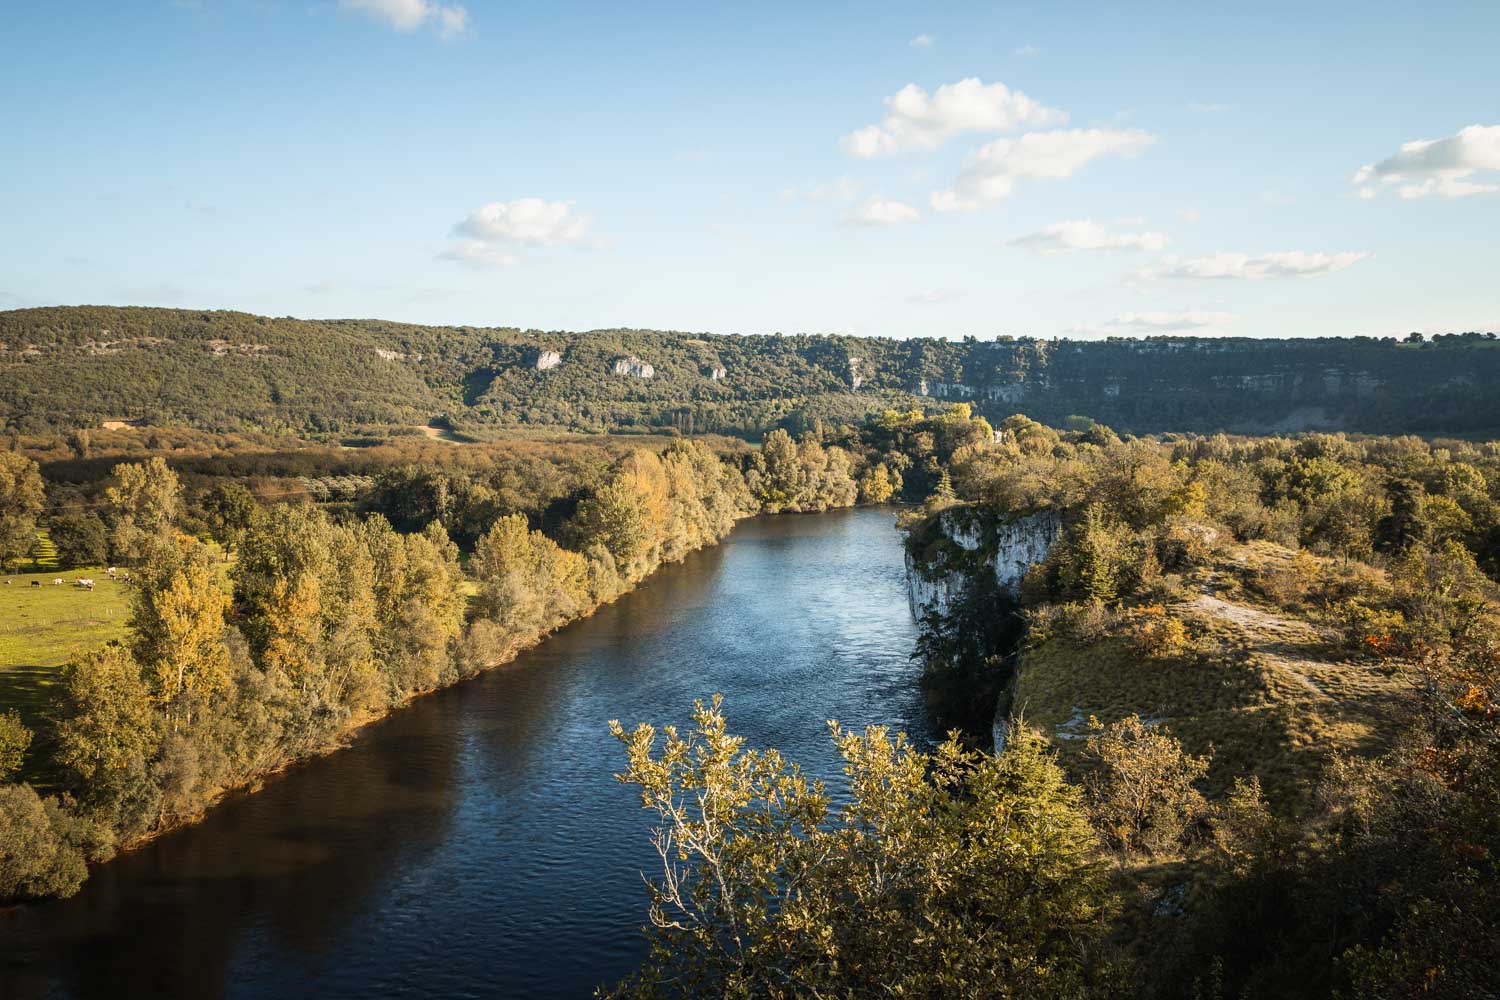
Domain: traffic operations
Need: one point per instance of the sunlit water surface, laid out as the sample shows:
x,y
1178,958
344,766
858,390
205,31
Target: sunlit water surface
x,y
475,844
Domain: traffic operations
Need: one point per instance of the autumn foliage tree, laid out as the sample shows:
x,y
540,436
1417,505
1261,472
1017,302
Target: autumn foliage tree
x,y
953,873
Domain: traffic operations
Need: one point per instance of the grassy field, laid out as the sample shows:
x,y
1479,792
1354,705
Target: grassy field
x,y
41,629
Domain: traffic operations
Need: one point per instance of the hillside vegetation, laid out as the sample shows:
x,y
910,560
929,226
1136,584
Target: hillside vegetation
x,y
92,367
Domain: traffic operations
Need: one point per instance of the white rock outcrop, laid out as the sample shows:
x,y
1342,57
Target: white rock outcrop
x,y
546,360
1022,544
634,366
1012,548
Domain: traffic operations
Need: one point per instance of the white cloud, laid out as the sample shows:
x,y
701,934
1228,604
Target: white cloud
x,y
845,189
922,42
1086,234
449,20
1443,168
918,121
490,234
1243,267
1196,321
880,212
991,174
530,221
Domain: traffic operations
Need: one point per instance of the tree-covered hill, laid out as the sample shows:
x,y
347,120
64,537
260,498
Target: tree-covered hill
x,y
79,366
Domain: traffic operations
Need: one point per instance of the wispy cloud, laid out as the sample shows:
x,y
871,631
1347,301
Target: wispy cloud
x,y
881,212
1086,234
1195,321
932,297
843,189
993,173
448,20
1207,107
1442,168
1027,50
1244,267
917,121
922,42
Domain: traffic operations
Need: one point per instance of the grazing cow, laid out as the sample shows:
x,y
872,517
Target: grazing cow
x,y
36,583
110,571
57,582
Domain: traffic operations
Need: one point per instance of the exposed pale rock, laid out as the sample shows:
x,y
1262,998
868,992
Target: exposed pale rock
x,y
633,365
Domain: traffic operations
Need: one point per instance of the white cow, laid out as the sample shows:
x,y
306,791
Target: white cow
x,y
57,582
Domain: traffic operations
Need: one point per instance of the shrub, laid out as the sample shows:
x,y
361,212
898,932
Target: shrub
x,y
1141,785
14,739
1157,635
1186,543
1367,630
1286,585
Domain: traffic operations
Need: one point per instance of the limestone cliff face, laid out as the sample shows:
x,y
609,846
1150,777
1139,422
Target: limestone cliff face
x,y
962,546
1007,548
634,366
927,592
1022,544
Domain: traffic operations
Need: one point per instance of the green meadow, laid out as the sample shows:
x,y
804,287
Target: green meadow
x,y
41,629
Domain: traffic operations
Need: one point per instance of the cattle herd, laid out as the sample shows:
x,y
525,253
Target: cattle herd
x,y
86,582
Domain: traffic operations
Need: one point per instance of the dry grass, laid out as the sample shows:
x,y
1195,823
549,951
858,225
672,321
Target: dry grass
x,y
1265,689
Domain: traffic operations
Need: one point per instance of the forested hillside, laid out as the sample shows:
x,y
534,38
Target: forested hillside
x,y
67,368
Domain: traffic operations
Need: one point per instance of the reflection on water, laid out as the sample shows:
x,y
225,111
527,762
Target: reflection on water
x,y
475,844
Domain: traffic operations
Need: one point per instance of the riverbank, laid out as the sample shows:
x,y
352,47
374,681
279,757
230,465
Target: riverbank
x,y
451,848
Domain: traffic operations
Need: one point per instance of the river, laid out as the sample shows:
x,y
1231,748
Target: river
x,y
474,844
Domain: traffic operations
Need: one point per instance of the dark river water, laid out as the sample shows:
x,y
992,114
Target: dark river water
x,y
475,844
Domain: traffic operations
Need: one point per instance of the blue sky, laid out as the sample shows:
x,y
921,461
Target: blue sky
x,y
1046,169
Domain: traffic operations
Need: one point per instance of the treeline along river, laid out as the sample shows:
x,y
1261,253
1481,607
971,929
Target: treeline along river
x,y
475,844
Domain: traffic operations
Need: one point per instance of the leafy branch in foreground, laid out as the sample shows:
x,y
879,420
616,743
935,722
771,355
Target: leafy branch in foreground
x,y
950,873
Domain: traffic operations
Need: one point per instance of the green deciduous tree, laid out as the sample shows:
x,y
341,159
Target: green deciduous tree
x,y
21,498
108,734
81,539
143,500
229,509
37,858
